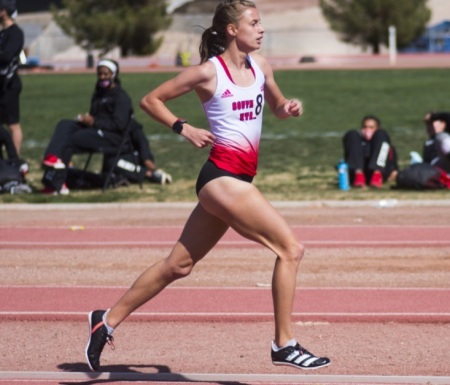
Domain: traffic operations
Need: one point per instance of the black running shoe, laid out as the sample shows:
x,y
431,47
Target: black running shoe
x,y
298,357
98,337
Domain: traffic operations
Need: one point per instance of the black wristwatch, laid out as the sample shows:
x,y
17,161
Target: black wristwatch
x,y
177,127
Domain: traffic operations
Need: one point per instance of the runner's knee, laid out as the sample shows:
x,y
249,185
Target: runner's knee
x,y
293,253
179,269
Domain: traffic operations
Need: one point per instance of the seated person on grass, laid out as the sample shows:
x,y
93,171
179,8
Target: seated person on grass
x,y
369,154
100,130
441,129
430,150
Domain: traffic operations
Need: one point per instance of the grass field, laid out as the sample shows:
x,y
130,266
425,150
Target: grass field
x,y
297,155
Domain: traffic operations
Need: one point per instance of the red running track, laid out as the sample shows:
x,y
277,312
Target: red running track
x,y
231,304
156,236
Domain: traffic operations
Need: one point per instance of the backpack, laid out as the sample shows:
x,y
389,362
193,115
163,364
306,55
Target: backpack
x,y
11,179
422,176
84,180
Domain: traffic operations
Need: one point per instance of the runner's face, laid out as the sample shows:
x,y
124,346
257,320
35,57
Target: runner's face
x,y
249,32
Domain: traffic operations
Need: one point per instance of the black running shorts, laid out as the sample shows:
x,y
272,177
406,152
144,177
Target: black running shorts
x,y
210,171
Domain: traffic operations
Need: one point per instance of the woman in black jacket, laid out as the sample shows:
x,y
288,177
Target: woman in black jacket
x,y
99,130
11,45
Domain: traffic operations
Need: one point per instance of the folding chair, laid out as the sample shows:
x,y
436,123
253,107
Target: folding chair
x,y
116,152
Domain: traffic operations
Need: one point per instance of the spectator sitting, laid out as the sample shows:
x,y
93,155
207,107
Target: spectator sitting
x,y
99,130
429,150
146,157
369,154
441,127
139,163
433,170
430,153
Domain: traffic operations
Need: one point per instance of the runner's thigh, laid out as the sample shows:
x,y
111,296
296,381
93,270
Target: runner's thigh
x,y
200,234
246,210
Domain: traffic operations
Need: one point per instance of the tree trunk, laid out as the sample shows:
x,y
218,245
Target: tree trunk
x,y
376,48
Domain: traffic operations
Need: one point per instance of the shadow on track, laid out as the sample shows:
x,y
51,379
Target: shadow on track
x,y
130,373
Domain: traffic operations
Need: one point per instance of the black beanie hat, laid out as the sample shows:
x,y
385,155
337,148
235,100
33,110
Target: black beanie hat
x,y
8,5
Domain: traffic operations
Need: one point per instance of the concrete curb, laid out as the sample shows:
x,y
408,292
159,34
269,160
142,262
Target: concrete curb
x,y
382,203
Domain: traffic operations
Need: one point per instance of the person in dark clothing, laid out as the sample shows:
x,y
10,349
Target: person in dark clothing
x,y
11,46
100,130
430,153
7,144
370,154
138,163
8,152
146,157
441,129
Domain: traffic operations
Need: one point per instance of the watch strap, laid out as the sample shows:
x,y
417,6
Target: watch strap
x,y
177,127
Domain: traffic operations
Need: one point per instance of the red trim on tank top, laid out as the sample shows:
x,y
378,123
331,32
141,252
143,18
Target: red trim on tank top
x,y
225,68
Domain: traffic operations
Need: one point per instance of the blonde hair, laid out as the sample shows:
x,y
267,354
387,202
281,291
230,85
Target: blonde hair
x,y
214,38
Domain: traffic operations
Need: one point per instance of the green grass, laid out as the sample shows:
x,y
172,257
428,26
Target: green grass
x,y
297,156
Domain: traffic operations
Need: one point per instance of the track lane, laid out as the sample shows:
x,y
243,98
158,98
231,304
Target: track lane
x,y
164,236
221,304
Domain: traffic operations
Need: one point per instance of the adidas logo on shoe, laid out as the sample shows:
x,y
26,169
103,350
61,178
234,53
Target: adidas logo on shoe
x,y
227,94
298,357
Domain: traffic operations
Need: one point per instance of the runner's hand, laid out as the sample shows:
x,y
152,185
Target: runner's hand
x,y
199,137
293,107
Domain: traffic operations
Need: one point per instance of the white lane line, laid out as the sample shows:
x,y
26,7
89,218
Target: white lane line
x,y
180,227
227,288
183,314
225,243
215,378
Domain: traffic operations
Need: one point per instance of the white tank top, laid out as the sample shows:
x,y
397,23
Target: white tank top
x,y
235,118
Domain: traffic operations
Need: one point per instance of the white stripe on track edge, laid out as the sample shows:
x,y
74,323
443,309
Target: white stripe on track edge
x,y
266,286
228,314
212,377
348,243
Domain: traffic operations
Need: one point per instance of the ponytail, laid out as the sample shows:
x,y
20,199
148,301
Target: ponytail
x,y
214,39
211,44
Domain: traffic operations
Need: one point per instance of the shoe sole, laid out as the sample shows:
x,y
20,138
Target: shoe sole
x,y
54,165
89,341
300,367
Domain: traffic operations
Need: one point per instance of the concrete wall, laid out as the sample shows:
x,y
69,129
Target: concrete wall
x,y
290,34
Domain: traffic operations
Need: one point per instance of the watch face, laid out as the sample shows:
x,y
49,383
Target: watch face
x,y
178,126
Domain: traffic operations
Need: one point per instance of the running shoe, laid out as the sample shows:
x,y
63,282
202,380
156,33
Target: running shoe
x,y
23,168
20,164
298,357
377,179
360,180
98,337
54,162
161,177
51,191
